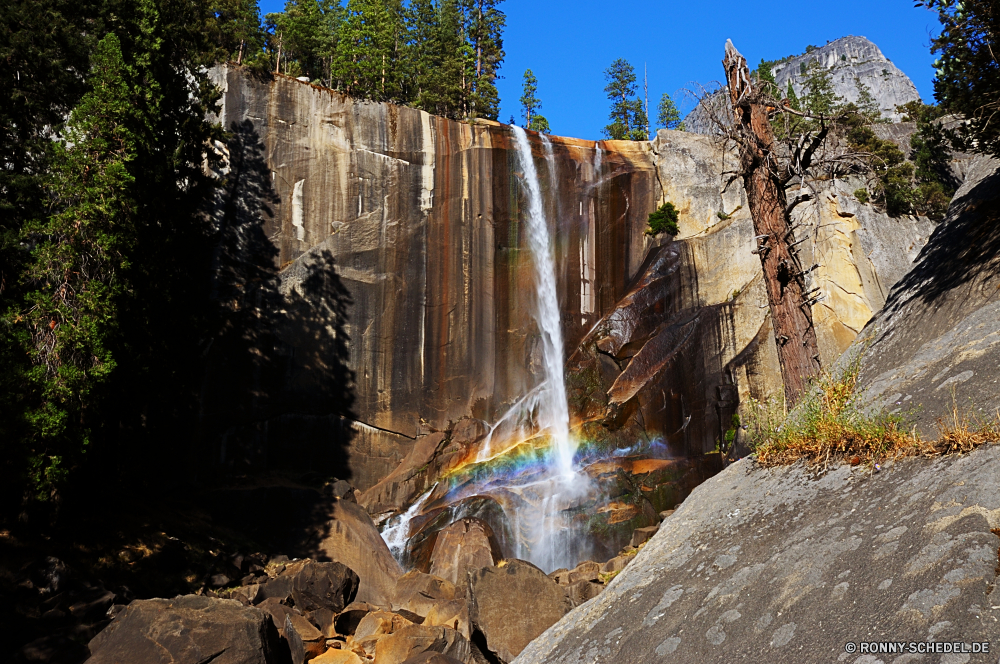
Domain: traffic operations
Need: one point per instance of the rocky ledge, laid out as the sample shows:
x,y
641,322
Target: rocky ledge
x,y
793,564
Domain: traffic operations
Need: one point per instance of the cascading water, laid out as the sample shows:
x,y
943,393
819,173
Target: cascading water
x,y
553,410
397,532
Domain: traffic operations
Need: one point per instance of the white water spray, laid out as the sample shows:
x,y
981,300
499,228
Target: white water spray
x,y
398,533
553,411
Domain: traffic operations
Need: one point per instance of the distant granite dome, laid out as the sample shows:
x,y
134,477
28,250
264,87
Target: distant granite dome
x,y
850,59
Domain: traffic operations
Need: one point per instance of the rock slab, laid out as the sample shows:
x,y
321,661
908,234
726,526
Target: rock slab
x,y
189,630
513,604
790,565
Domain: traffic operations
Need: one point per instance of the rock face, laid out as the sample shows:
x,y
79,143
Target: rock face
x,y
378,255
905,554
463,546
513,604
850,60
189,630
936,343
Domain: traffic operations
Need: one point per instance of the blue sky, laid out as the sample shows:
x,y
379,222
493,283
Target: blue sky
x,y
569,43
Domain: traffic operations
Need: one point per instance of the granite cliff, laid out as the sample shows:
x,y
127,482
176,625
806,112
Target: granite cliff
x,y
379,251
851,60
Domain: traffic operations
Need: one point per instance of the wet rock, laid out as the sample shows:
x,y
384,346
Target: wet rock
x,y
413,640
513,604
426,528
189,629
465,545
469,431
642,535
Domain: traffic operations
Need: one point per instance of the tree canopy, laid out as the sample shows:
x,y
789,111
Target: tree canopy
x,y
668,116
530,104
627,116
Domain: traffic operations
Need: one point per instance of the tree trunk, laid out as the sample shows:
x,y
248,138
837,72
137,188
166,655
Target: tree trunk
x,y
791,316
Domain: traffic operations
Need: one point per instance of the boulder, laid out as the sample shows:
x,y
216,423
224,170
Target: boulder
x,y
337,656
412,640
325,621
352,539
348,619
788,565
189,630
581,591
616,564
585,571
418,593
324,586
454,614
379,623
465,545
642,535
432,658
513,604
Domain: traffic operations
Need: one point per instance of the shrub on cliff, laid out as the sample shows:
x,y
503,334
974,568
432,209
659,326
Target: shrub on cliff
x,y
664,220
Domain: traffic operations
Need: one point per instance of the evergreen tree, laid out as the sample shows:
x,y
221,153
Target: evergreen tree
x,y
628,119
371,41
793,99
308,32
819,98
867,105
530,105
967,78
444,66
485,35
78,270
669,117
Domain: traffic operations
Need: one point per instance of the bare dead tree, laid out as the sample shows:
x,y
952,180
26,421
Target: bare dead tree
x,y
765,175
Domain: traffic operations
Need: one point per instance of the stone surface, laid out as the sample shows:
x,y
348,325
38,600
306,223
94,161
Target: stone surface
x,y
581,591
324,586
337,656
849,59
788,565
641,535
936,343
418,592
466,544
412,640
189,630
350,537
432,658
513,604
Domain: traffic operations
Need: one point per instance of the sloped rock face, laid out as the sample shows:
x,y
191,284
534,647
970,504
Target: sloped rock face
x,y
905,554
936,343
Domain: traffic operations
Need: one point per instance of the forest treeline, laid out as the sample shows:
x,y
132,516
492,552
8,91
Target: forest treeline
x,y
442,56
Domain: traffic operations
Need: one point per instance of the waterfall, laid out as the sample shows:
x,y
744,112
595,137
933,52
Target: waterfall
x,y
553,411
397,534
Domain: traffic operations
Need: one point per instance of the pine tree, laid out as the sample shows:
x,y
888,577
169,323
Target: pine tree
x,y
78,268
485,36
819,98
628,119
530,105
668,116
370,45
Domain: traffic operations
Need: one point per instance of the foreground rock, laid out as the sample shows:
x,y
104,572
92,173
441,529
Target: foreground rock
x,y
780,565
189,630
513,604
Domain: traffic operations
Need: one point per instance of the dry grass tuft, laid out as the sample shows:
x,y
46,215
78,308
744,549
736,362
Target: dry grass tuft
x,y
831,425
